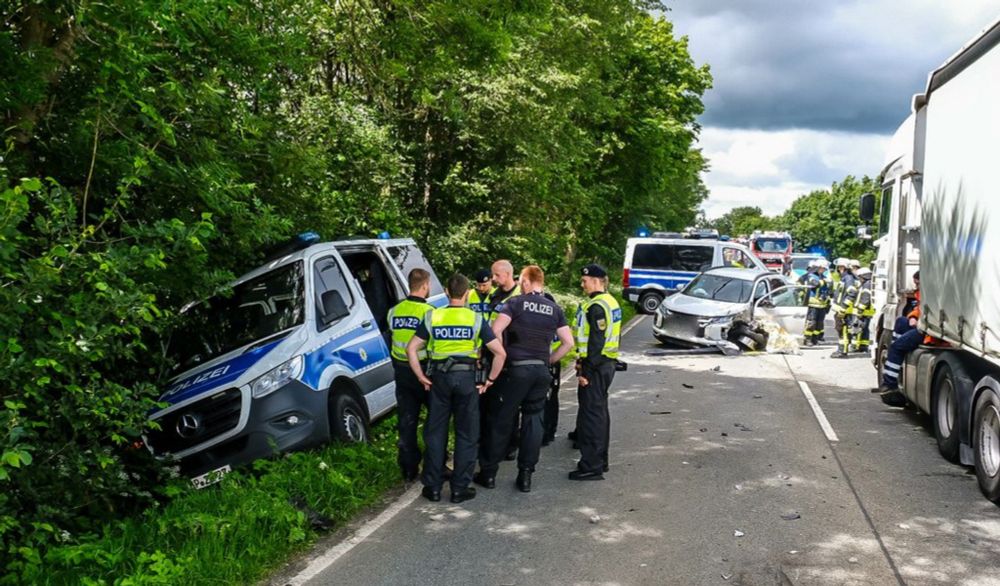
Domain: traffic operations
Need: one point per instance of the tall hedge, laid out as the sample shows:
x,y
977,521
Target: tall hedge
x,y
151,149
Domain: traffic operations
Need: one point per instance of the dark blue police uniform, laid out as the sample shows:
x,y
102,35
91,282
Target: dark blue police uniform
x,y
528,341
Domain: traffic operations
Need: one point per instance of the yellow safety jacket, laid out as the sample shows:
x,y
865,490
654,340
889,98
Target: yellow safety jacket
x,y
403,321
613,314
480,303
454,333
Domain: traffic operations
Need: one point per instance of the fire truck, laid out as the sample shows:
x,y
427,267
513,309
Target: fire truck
x,y
773,248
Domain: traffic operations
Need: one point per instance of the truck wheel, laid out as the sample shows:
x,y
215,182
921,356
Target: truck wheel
x,y
944,412
348,422
986,444
881,354
649,302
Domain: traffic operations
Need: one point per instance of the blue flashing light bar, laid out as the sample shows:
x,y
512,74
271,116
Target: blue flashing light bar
x,y
384,235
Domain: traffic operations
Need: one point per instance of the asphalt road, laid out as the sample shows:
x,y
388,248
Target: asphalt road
x,y
720,474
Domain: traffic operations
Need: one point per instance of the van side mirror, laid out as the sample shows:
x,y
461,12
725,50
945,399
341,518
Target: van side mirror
x,y
866,207
334,307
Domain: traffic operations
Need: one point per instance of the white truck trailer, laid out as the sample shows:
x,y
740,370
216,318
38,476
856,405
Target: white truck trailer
x,y
940,214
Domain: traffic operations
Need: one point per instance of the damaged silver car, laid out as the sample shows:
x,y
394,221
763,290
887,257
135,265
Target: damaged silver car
x,y
731,308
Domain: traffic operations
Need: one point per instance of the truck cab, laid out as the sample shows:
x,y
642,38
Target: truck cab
x,y
290,355
774,249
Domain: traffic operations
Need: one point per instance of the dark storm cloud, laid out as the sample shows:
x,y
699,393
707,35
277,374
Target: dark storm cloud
x,y
847,65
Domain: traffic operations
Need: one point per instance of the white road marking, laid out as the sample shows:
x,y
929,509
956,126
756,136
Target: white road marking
x,y
818,412
635,321
326,560
336,552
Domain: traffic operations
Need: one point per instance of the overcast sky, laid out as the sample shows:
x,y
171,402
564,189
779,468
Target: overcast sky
x,y
808,92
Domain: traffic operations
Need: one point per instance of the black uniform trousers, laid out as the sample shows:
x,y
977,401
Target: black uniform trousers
x,y
550,419
410,397
593,420
523,392
452,393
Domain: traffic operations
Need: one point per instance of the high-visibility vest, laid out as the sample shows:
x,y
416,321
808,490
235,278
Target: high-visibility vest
x,y
496,310
613,314
841,295
403,322
480,303
454,332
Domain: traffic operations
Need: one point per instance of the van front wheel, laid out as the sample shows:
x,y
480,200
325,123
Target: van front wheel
x,y
348,422
649,302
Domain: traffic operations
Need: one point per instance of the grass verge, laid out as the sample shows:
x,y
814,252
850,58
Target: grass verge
x,y
239,530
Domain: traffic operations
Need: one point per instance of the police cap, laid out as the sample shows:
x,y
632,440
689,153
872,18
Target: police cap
x,y
482,276
594,270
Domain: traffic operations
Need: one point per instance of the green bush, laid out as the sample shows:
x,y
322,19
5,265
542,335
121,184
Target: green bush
x,y
236,531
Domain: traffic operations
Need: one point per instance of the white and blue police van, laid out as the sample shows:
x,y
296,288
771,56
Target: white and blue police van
x,y
290,355
656,268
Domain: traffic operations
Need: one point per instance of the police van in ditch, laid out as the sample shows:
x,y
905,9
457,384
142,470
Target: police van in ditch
x,y
656,268
291,355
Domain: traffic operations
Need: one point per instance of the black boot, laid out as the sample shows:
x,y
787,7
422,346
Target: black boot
x,y
894,398
431,494
465,494
523,480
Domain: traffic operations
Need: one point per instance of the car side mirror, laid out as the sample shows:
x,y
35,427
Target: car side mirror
x,y
866,207
334,307
679,287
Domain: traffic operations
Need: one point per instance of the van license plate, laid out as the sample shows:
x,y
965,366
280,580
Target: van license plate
x,y
210,478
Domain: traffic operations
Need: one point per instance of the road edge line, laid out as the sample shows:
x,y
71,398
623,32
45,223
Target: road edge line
x,y
818,412
330,556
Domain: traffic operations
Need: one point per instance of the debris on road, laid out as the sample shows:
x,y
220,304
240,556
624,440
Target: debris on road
x,y
738,486
758,396
703,430
595,519
724,434
716,368
727,576
791,516
738,533
659,412
853,560
687,386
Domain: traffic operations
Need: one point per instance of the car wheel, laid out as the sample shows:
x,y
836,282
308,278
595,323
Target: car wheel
x,y
944,412
348,422
986,444
649,302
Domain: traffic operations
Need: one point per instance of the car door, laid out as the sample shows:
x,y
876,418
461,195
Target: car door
x,y
784,304
406,256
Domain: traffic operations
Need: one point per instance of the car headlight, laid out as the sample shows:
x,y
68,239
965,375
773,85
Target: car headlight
x,y
277,377
664,311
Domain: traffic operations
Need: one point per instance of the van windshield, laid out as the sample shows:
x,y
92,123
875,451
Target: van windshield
x,y
719,288
801,264
772,244
251,311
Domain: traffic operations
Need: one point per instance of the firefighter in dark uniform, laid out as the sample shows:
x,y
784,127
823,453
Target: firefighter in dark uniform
x,y
526,324
410,394
453,335
502,272
598,330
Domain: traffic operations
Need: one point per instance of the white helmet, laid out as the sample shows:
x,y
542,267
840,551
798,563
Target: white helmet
x,y
855,263
813,263
842,262
823,263
863,273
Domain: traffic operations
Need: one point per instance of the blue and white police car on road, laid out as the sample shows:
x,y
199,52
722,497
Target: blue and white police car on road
x,y
292,355
656,268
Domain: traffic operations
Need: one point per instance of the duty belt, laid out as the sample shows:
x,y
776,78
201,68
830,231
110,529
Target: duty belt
x,y
528,363
450,365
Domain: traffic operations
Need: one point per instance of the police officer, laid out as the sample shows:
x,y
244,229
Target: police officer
x,y
527,324
453,335
479,296
550,416
410,395
506,288
864,308
598,329
844,292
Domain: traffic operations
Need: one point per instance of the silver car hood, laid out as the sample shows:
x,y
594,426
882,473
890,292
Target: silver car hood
x,y
703,307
